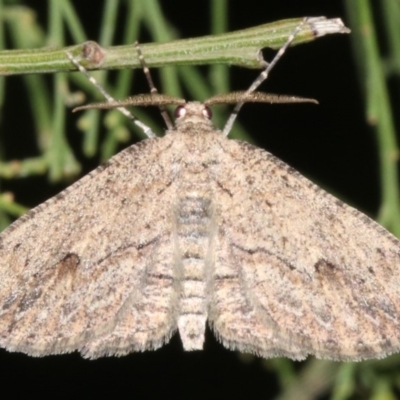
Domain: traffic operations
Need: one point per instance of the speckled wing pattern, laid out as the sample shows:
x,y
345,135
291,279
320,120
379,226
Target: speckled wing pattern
x,y
194,227
305,273
73,269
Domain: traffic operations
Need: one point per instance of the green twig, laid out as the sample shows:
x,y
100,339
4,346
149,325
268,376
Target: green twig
x,y
378,108
238,48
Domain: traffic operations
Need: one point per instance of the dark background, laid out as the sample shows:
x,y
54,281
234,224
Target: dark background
x,y
330,143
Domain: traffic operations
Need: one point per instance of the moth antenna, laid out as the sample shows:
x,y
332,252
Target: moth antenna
x,y
262,77
256,97
145,128
153,89
142,100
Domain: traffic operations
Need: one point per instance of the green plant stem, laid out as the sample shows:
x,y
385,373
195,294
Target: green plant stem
x,y
378,108
236,48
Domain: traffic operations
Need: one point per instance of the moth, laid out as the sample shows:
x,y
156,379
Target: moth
x,y
190,228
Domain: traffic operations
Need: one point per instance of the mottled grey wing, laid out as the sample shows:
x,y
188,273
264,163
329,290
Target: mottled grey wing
x,y
298,272
81,271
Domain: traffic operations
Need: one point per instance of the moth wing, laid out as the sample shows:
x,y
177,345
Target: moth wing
x,y
79,272
297,271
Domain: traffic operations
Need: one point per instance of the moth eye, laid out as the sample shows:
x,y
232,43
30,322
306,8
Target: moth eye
x,y
180,111
207,113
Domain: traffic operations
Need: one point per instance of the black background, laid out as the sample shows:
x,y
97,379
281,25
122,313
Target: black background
x,y
330,143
